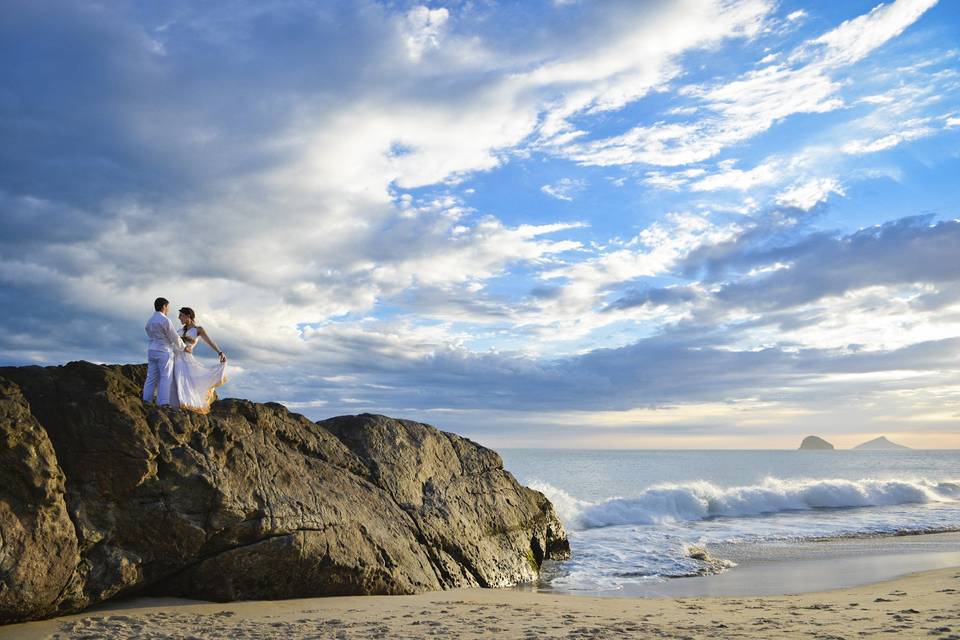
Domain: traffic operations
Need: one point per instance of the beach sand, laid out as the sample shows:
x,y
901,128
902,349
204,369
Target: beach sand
x,y
919,605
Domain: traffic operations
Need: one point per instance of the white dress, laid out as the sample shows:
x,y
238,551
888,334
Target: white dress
x,y
193,382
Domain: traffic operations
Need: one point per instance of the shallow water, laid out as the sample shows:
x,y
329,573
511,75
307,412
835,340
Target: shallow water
x,y
636,518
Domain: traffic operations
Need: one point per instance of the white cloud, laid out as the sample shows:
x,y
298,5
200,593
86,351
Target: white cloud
x,y
730,178
878,319
634,57
910,130
674,180
751,104
856,38
809,194
424,29
578,306
564,188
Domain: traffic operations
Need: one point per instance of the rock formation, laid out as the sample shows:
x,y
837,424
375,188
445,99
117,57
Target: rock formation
x,y
880,443
815,442
103,495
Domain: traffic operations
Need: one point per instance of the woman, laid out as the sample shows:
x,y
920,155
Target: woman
x,y
193,382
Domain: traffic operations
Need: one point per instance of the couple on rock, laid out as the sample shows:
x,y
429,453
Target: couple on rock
x,y
178,379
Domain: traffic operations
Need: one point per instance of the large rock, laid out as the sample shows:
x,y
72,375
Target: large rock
x,y
103,495
38,544
815,443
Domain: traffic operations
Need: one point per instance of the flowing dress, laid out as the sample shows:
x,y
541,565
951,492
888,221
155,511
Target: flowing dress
x,y
193,382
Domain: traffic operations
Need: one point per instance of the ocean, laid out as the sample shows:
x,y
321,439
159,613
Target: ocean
x,y
640,517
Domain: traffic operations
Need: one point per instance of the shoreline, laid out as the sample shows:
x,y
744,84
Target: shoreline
x,y
797,567
925,604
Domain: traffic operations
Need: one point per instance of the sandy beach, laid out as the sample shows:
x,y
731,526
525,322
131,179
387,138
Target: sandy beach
x,y
919,605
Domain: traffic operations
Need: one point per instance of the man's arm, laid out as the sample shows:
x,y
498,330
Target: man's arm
x,y
175,341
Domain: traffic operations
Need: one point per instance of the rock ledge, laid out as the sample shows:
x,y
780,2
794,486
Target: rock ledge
x,y
102,495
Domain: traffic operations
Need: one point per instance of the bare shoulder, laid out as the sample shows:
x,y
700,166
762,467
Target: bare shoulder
x,y
201,332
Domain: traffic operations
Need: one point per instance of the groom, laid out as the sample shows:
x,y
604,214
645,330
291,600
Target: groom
x,y
164,340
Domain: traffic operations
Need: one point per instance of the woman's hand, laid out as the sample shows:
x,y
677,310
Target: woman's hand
x,y
223,357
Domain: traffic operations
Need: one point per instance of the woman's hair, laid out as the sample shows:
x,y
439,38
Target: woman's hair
x,y
187,311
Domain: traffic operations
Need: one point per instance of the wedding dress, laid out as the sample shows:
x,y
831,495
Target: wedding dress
x,y
193,382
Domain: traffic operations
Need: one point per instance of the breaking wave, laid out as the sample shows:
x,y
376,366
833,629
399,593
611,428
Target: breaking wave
x,y
667,503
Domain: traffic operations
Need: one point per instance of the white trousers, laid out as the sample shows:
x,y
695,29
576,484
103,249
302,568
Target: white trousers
x,y
159,371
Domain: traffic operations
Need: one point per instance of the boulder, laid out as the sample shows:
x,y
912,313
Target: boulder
x,y
103,495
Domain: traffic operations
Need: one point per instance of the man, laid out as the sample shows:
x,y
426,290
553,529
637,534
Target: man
x,y
163,341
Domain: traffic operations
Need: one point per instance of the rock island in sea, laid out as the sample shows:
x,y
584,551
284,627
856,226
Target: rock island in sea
x,y
815,443
102,495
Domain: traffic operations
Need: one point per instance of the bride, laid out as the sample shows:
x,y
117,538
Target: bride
x,y
193,383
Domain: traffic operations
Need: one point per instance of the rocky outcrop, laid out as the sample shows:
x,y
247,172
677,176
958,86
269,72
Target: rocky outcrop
x,y
103,495
880,443
816,443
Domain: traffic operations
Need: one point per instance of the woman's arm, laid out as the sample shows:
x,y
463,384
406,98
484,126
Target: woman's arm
x,y
213,345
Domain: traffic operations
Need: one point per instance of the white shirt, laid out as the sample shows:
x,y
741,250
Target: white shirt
x,y
163,336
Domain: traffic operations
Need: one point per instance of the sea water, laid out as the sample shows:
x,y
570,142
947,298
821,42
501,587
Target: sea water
x,y
637,516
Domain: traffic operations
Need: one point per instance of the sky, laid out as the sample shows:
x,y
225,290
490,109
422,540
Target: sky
x,y
637,224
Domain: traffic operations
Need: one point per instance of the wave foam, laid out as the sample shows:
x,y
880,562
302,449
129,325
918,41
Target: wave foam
x,y
666,503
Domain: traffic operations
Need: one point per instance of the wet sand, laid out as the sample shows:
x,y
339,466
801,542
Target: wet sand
x,y
920,605
801,567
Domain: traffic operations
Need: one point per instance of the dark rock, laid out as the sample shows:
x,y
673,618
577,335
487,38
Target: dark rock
x,y
38,544
103,495
814,442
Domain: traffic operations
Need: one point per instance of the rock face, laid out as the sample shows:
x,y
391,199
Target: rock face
x,y
880,443
103,495
815,442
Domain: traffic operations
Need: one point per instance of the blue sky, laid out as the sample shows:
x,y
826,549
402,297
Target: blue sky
x,y
705,223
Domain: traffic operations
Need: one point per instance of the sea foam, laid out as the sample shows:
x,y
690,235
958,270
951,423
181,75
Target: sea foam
x,y
669,503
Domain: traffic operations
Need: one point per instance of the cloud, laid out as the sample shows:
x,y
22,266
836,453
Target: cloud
x,y
748,106
200,149
856,38
424,29
730,178
332,186
910,130
564,188
807,195
902,252
674,180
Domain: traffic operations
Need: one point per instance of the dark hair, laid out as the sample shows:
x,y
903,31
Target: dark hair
x,y
187,311
160,303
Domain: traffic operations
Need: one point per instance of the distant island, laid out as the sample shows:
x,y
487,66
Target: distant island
x,y
880,443
815,443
